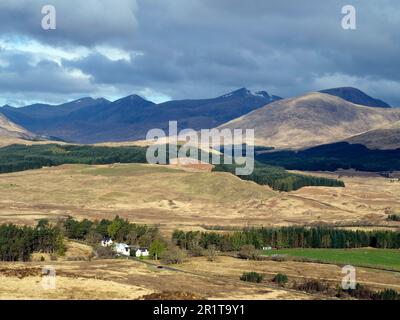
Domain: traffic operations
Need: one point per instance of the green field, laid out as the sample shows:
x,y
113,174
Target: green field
x,y
378,258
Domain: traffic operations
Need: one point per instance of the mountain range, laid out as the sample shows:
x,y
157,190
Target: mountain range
x,y
90,120
339,114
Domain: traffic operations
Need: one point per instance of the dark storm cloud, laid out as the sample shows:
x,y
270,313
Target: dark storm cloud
x,y
45,76
86,23
201,48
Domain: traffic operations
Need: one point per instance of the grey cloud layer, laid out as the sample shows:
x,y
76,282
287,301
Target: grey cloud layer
x,y
201,48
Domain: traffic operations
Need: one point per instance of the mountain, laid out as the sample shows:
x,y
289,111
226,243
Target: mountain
x,y
385,138
309,120
90,121
356,96
11,133
12,130
37,115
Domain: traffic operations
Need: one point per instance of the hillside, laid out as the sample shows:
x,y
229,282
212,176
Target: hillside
x,y
98,120
144,193
13,133
385,138
311,119
356,96
12,130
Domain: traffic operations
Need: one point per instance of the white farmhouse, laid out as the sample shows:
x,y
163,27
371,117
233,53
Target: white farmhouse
x,y
122,248
106,242
142,252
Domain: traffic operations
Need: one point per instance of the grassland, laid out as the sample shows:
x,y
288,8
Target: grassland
x,y
131,279
296,271
148,194
15,158
178,199
377,258
125,279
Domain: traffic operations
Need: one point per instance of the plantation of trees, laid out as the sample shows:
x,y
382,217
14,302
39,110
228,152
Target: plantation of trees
x,y
279,179
288,237
330,157
18,243
20,157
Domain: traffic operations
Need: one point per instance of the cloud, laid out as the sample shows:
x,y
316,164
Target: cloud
x,y
84,23
202,48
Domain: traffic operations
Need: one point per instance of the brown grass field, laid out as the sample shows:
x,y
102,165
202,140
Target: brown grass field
x,y
174,198
197,278
126,279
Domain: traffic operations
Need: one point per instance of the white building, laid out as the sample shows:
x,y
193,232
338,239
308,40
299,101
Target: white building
x,y
122,248
106,242
141,252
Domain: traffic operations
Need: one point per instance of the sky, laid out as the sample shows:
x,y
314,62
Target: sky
x,y
175,49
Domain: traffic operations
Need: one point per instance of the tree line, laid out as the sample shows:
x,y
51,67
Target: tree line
x,y
118,229
287,237
330,157
18,243
15,158
280,179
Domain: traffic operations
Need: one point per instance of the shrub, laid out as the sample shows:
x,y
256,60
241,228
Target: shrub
x,y
252,277
393,217
173,255
313,285
387,294
360,292
248,251
278,258
211,253
76,258
280,279
104,252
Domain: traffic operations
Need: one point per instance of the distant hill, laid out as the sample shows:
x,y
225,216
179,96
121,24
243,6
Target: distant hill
x,y
384,138
37,116
312,119
334,156
356,96
11,130
98,120
11,133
